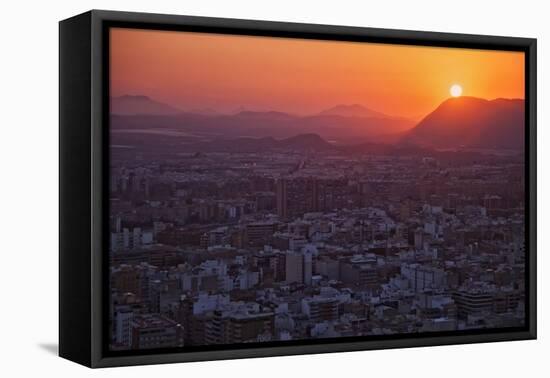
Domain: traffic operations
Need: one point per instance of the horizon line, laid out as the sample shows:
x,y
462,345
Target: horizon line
x,y
251,109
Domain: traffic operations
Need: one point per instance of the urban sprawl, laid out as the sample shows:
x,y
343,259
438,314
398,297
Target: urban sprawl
x,y
231,248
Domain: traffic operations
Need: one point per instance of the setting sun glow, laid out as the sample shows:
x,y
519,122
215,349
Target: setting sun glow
x,y
303,76
456,90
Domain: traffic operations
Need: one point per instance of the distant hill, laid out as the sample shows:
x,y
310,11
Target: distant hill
x,y
269,115
306,142
140,105
471,122
354,110
301,142
205,111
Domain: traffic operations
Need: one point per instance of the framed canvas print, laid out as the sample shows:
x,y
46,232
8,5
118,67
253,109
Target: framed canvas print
x,y
234,188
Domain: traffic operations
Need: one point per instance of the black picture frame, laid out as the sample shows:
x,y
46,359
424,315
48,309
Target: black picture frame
x,y
83,122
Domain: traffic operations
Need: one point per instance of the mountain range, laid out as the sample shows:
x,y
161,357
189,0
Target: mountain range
x,y
140,105
339,124
354,110
463,122
301,142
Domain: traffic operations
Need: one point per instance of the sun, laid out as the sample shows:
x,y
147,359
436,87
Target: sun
x,y
456,90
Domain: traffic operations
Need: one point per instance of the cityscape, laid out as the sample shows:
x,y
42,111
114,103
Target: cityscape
x,y
257,225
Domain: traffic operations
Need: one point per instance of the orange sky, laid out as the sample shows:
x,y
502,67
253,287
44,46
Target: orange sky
x,y
197,70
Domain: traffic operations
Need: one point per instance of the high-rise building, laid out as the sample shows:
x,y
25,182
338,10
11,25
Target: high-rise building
x,y
237,326
308,268
127,239
358,273
155,331
297,196
123,326
294,268
418,239
260,233
281,193
473,302
423,277
320,309
299,267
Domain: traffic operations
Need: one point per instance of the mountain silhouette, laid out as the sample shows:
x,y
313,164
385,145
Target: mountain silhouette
x,y
269,115
267,124
354,110
205,111
471,122
306,142
140,105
